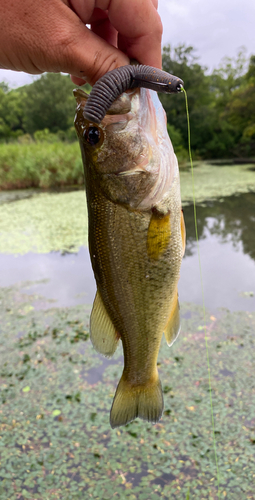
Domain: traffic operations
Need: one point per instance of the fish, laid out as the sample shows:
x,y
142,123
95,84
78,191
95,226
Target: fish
x,y
136,242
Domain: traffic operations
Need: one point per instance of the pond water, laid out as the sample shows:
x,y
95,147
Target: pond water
x,y
226,232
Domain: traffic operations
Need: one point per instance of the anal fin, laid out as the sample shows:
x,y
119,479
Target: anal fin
x,y
103,334
173,325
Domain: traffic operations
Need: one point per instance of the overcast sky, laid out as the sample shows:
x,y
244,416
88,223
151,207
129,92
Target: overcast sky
x,y
215,28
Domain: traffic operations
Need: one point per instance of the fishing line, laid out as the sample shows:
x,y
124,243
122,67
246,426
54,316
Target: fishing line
x,y
202,288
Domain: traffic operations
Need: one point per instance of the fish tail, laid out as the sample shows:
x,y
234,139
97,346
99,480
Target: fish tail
x,y
132,401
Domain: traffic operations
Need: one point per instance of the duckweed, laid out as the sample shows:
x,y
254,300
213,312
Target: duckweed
x,y
56,441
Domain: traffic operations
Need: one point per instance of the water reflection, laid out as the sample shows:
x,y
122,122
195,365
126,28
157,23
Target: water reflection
x,y
232,220
226,232
66,279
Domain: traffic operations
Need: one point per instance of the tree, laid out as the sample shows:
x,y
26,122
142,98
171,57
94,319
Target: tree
x,y
240,112
4,86
229,75
182,61
251,70
221,105
11,112
49,103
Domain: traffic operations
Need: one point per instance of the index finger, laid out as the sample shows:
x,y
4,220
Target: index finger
x,y
139,27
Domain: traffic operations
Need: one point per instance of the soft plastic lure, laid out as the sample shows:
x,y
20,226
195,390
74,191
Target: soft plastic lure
x,y
113,84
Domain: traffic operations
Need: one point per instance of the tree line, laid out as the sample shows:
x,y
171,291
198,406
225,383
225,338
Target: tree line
x,y
221,106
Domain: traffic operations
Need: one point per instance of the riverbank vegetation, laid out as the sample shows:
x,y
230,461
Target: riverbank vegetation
x,y
36,164
38,143
221,104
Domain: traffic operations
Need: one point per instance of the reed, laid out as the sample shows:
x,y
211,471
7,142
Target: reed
x,y
40,164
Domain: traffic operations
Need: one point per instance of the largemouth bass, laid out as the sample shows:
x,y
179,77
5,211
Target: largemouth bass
x,y
136,242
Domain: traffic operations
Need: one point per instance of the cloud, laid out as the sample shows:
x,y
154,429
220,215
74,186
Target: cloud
x,y
16,78
216,28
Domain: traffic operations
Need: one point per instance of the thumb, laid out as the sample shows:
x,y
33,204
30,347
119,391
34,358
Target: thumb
x,y
38,36
88,56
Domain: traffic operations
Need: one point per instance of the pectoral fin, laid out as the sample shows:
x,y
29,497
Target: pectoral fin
x,y
80,95
173,326
159,234
102,332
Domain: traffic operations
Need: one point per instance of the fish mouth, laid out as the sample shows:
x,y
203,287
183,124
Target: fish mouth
x,y
156,156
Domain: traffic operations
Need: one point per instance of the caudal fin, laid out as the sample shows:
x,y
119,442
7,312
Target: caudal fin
x,y
130,402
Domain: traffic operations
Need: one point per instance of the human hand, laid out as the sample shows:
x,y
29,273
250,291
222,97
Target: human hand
x,y
51,35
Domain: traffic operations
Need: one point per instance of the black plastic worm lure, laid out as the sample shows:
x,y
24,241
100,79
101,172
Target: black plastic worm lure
x,y
117,81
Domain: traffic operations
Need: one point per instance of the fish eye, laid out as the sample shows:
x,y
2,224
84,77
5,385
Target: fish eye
x,y
92,135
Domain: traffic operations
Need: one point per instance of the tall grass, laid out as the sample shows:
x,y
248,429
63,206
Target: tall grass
x,y
47,162
40,164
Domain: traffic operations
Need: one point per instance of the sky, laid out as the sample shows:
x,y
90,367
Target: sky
x,y
216,29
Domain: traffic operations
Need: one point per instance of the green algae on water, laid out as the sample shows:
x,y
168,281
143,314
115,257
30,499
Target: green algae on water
x,y
215,182
44,223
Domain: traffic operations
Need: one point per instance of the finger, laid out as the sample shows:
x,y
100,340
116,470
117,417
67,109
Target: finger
x,y
90,57
78,51
53,38
77,81
103,28
98,19
137,22
83,8
140,29
155,3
